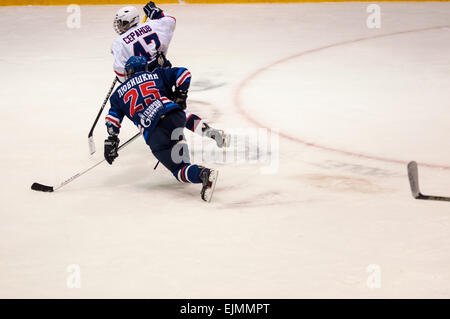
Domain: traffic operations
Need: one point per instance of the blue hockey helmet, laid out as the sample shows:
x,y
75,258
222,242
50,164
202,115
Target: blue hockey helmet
x,y
135,64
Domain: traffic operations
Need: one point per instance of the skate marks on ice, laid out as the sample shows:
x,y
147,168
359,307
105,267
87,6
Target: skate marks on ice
x,y
341,177
206,110
263,199
249,190
233,199
343,183
354,168
204,85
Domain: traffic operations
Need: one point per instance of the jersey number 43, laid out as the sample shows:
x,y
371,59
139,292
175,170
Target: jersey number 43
x,y
140,50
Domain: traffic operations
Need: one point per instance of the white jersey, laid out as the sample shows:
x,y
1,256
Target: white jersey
x,y
145,39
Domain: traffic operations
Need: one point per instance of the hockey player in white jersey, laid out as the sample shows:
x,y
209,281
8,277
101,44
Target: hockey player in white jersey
x,y
148,39
151,39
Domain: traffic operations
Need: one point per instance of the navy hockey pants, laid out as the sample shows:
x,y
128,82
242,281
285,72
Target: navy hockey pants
x,y
162,142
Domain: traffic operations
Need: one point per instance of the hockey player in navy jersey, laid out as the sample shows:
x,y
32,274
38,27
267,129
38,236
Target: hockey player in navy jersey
x,y
151,39
143,99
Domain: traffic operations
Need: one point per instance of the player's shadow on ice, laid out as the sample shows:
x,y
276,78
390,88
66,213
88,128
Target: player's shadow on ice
x,y
169,187
144,178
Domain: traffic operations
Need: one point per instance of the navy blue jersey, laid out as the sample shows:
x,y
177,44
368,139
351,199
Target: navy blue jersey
x,y
143,98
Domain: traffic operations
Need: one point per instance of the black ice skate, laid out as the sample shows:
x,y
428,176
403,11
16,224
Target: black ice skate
x,y
209,179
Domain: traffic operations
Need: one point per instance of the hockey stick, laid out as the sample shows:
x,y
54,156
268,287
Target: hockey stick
x,y
413,175
91,132
45,188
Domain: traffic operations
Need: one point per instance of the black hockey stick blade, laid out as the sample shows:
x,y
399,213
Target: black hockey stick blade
x,y
413,175
41,188
431,197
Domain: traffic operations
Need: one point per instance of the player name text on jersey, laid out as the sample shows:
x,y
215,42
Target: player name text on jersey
x,y
137,33
136,80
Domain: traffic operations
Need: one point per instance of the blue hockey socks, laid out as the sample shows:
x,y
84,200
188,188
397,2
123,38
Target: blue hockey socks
x,y
188,173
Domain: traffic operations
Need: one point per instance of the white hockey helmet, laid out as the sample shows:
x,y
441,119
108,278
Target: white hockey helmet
x,y
125,18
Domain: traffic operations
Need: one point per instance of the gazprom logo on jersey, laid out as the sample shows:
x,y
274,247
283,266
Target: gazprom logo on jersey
x,y
149,114
257,146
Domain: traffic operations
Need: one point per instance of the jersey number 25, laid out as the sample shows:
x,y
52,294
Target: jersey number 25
x,y
148,91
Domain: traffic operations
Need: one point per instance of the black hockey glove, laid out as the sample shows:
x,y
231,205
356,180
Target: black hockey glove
x,y
180,97
162,61
152,11
111,146
159,62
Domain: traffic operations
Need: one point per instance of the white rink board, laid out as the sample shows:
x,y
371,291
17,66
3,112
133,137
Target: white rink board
x,y
309,230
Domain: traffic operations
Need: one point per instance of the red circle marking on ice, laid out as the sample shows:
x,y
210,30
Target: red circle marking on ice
x,y
246,81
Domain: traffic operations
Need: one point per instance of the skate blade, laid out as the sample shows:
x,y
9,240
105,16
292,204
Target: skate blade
x,y
226,140
210,190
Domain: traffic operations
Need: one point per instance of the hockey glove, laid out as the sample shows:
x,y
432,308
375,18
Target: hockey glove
x,y
162,61
159,62
180,97
111,146
152,11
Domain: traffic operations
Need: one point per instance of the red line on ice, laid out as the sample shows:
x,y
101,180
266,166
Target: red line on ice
x,y
246,81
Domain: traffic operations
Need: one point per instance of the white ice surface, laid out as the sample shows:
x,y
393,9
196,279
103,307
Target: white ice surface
x,y
310,230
